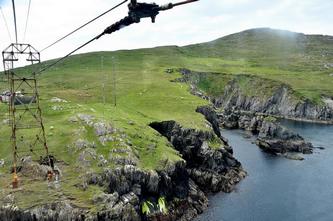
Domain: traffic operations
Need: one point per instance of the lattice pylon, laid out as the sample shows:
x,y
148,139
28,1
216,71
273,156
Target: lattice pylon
x,y
25,115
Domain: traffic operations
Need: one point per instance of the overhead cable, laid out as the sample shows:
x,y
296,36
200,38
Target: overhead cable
x,y
137,11
82,26
15,23
6,24
27,20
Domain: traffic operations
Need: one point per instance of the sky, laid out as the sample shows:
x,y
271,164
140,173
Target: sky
x,y
201,21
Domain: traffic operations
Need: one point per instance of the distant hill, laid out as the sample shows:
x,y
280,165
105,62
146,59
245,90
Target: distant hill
x,y
271,47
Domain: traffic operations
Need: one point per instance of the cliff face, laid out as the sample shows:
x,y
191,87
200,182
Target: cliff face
x,y
183,184
281,103
212,169
279,100
270,135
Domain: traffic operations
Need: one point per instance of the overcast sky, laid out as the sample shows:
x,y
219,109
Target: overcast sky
x,y
198,22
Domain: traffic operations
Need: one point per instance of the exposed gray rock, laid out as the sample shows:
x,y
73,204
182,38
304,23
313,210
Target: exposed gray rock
x,y
33,169
87,119
127,187
130,183
83,144
58,100
108,199
105,139
57,108
328,102
87,156
102,162
274,138
211,116
103,129
292,156
9,199
282,102
203,163
120,212
130,198
123,160
122,149
50,212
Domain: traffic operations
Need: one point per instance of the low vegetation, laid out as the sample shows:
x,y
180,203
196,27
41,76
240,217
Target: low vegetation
x,y
130,89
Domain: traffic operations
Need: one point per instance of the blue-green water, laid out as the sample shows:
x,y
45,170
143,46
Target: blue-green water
x,y
277,188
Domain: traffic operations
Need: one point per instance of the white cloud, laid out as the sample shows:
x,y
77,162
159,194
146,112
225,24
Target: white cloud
x,y
201,21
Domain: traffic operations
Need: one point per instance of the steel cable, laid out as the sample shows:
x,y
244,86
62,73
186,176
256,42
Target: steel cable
x,y
27,20
15,23
82,26
6,24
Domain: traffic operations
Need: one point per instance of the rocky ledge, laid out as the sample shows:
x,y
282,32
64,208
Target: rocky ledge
x,y
281,101
213,169
131,191
253,113
271,136
276,139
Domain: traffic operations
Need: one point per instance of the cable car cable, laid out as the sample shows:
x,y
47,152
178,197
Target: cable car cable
x,y
6,24
15,24
82,26
137,11
27,20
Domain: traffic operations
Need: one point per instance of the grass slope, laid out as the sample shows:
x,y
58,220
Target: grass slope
x,y
305,62
145,94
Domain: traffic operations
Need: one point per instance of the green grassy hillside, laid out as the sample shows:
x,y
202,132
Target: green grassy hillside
x,y
145,93
305,62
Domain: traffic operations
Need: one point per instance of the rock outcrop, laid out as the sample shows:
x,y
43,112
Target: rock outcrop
x,y
183,184
54,211
242,111
276,139
212,169
129,186
281,102
271,136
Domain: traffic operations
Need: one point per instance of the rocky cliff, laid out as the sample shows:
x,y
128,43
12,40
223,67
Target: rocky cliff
x,y
182,186
280,100
212,169
270,135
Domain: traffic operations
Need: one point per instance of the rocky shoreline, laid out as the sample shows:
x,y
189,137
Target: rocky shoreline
x,y
258,115
281,103
206,168
183,186
271,137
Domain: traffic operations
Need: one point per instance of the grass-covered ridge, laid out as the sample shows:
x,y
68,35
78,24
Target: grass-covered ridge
x,y
145,94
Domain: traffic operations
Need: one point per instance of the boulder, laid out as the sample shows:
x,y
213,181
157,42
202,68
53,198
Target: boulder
x,y
83,144
275,138
33,169
107,199
58,100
